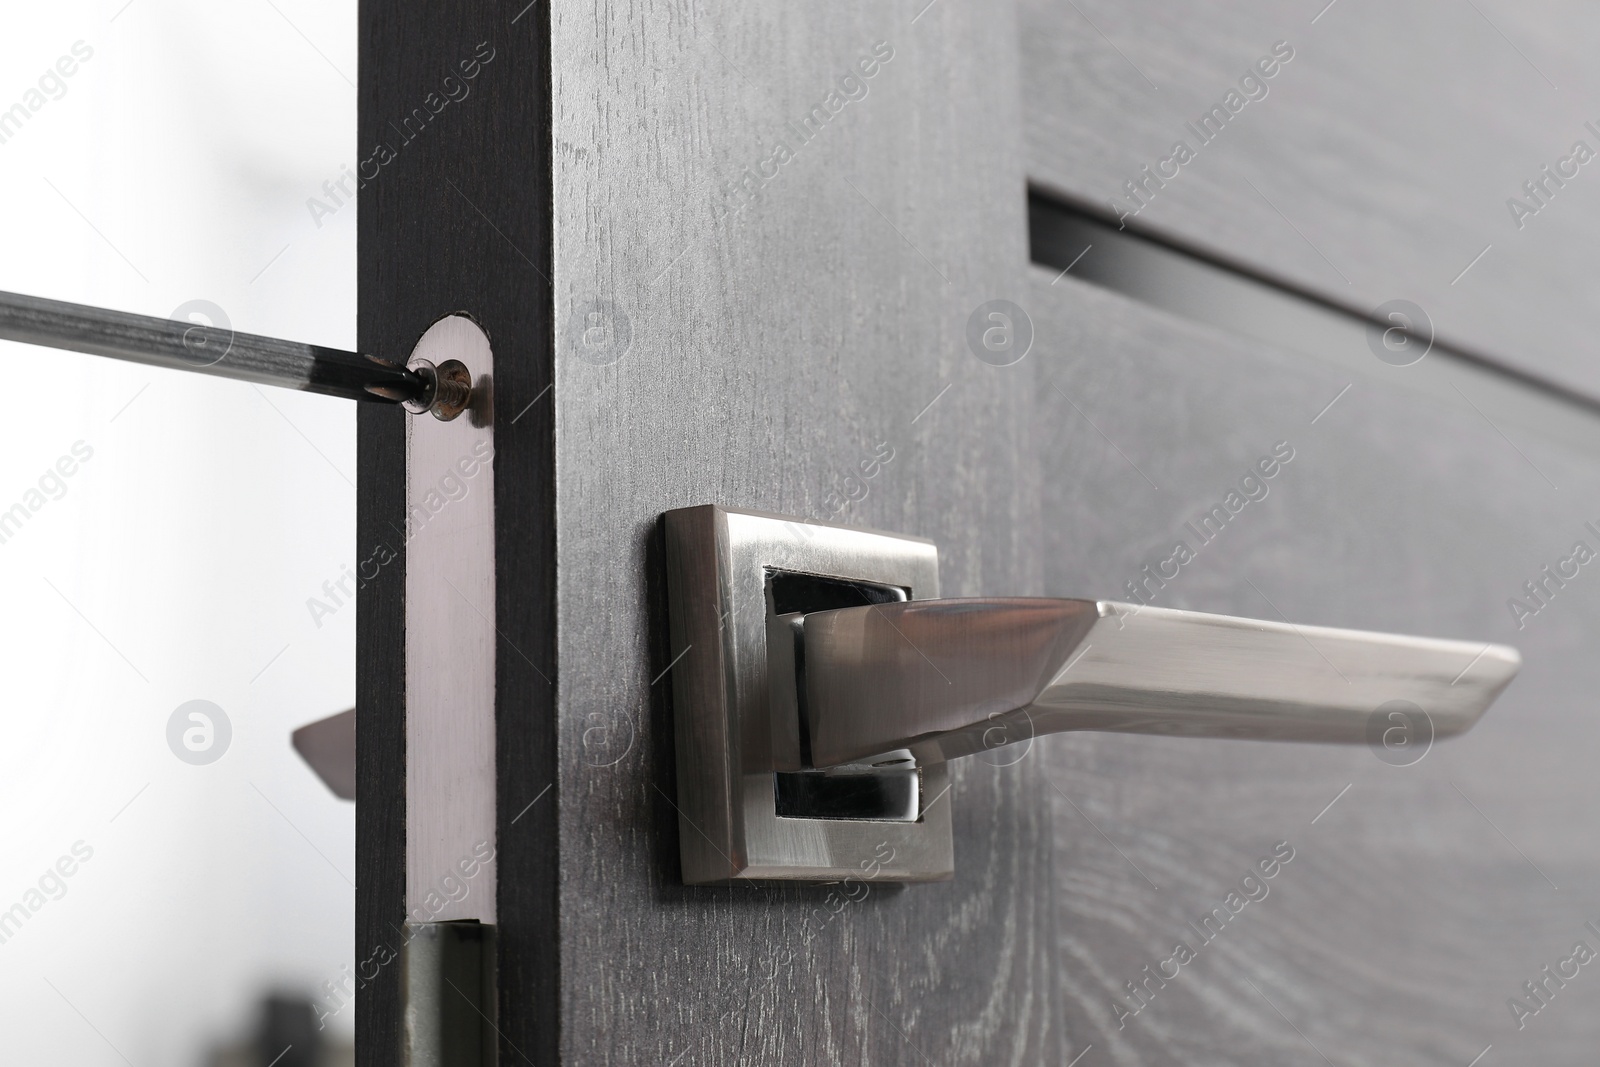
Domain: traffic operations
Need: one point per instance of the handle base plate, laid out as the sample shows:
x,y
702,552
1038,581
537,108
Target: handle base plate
x,y
719,564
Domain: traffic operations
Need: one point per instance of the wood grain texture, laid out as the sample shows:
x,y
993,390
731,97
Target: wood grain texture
x,y
776,339
728,326
458,219
380,732
1378,165
1424,898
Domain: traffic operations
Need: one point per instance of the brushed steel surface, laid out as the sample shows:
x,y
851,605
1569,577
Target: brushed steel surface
x,y
951,677
450,644
718,561
448,974
936,679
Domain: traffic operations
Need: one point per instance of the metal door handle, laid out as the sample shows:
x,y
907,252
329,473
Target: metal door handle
x,y
812,733
945,678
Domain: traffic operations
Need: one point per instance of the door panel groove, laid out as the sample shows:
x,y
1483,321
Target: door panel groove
x,y
1179,278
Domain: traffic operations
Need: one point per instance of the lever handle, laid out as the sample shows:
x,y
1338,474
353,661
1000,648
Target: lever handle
x,y
945,678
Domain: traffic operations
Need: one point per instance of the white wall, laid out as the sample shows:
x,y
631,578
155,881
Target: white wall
x,y
176,166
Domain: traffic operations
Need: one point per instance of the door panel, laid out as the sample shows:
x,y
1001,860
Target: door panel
x,y
741,328
771,230
1382,155
1425,896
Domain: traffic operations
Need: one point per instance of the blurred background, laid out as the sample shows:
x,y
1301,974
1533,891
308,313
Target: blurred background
x,y
175,562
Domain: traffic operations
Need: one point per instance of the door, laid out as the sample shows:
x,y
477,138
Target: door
x,y
752,257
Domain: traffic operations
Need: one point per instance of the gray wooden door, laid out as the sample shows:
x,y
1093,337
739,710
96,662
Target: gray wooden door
x,y
726,253
1384,159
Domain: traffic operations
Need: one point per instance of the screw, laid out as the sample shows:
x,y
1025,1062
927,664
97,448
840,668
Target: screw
x,y
448,392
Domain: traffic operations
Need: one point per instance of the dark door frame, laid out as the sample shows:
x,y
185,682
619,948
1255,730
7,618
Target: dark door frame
x,y
454,161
